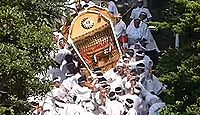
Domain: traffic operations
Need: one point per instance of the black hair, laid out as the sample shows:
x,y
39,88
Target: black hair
x,y
118,89
82,78
140,65
111,94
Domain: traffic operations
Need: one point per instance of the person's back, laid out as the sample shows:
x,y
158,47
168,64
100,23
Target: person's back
x,y
114,107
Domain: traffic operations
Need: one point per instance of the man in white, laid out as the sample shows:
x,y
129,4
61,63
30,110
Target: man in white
x,y
152,83
120,29
133,94
151,42
154,103
128,108
113,107
59,55
112,8
120,26
136,32
115,79
136,12
80,90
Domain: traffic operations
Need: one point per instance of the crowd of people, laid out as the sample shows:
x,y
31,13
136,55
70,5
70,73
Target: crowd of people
x,y
130,88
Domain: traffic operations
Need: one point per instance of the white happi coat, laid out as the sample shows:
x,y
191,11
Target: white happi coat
x,y
74,109
60,55
152,83
150,39
114,107
55,72
155,103
108,74
112,8
117,81
136,12
84,93
120,28
137,100
152,43
68,83
71,81
135,34
132,111
58,92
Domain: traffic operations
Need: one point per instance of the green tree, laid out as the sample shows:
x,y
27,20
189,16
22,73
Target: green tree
x,y
179,68
180,71
25,42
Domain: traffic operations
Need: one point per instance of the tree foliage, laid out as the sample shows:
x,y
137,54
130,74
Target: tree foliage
x,y
25,42
180,16
181,73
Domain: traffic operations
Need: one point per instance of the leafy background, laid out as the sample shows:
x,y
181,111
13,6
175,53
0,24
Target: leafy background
x,y
26,40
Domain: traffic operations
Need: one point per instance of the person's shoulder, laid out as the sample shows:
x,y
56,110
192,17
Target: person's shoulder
x,y
145,8
123,22
135,8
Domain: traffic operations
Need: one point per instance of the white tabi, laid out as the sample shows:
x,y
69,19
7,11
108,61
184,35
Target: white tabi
x,y
136,12
112,8
135,34
114,107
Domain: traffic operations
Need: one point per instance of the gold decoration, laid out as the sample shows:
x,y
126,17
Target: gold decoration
x,y
87,23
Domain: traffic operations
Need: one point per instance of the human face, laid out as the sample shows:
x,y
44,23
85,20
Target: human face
x,y
139,58
142,17
120,70
137,46
83,71
140,4
133,82
137,23
57,83
61,43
